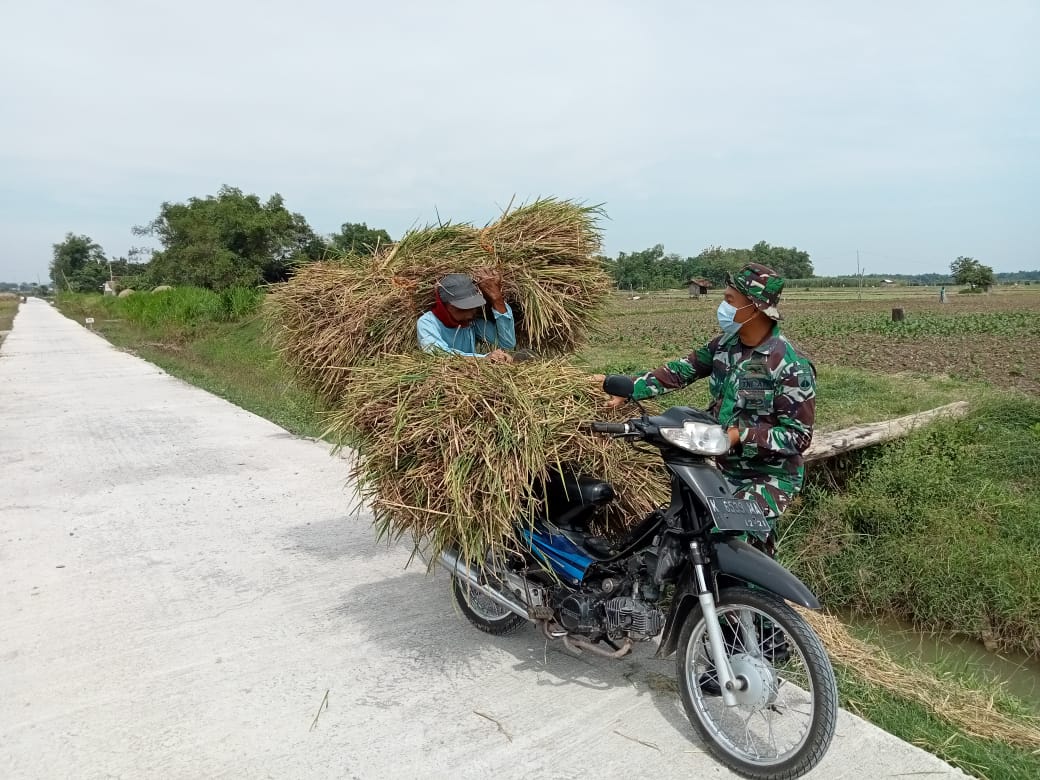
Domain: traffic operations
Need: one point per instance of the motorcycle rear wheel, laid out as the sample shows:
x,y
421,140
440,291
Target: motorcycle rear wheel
x,y
791,695
484,613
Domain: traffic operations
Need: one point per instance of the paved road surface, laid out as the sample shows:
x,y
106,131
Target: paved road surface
x,y
182,582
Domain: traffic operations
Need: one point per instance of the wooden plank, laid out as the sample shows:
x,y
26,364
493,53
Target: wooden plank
x,y
826,445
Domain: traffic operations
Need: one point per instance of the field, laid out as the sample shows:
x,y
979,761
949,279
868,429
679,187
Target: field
x,y
988,339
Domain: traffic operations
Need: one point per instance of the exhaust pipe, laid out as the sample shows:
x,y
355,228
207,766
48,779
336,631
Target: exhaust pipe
x,y
449,559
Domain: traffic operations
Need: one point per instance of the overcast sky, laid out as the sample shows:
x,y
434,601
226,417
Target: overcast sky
x,y
907,130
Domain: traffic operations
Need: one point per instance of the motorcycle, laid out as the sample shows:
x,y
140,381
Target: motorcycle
x,y
754,678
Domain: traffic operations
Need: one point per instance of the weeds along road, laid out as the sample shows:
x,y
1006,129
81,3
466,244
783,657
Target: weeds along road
x,y
182,586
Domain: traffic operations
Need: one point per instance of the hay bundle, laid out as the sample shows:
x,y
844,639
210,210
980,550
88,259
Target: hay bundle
x,y
334,316
451,448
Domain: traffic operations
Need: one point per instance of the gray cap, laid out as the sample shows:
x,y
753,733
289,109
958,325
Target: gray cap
x,y
460,291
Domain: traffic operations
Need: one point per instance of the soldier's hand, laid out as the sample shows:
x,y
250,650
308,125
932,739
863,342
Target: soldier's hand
x,y
613,401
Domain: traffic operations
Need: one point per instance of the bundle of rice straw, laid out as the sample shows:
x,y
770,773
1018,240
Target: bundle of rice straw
x,y
451,448
337,315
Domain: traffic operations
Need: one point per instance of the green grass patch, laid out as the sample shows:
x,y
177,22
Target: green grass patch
x,y
176,314
8,308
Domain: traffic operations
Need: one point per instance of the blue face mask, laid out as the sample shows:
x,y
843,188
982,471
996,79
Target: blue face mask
x,y
727,311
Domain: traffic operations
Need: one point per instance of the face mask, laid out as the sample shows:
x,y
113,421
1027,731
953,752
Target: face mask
x,y
726,313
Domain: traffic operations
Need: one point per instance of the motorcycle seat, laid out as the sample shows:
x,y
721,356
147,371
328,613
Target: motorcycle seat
x,y
571,500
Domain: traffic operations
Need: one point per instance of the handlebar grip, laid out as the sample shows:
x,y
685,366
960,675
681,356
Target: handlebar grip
x,y
609,427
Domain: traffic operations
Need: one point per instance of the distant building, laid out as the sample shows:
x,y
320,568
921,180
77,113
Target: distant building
x,y
697,287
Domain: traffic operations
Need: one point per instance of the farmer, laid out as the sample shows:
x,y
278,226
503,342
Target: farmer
x,y
455,323
763,391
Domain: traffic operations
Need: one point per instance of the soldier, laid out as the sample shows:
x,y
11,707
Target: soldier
x,y
453,324
763,392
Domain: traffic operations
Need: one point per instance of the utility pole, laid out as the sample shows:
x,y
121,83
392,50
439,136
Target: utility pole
x,y
859,273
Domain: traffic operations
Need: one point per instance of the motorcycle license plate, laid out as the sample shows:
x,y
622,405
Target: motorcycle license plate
x,y
737,514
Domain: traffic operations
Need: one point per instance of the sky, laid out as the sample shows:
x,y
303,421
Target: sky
x,y
907,131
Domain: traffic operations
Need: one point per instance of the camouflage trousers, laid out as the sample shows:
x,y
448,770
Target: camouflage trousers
x,y
772,494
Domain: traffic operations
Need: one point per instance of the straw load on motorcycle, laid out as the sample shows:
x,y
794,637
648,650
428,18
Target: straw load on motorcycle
x,y
348,312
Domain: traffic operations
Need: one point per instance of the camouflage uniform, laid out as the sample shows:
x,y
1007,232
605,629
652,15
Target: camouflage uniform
x,y
768,392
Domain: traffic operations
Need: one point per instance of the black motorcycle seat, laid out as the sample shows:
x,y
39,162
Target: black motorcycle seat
x,y
562,493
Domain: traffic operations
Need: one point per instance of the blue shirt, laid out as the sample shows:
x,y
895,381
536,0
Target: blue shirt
x,y
434,336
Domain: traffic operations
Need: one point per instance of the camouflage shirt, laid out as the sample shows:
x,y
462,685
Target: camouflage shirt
x,y
769,393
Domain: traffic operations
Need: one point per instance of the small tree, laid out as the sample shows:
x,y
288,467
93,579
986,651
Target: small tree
x,y
358,238
78,265
969,271
228,240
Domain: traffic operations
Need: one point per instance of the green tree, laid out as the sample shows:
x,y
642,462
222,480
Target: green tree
x,y
969,271
358,238
78,265
789,262
229,240
715,263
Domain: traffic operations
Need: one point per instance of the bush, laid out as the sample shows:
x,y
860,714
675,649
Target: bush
x,y
180,311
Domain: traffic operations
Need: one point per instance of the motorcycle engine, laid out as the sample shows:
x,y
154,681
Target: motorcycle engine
x,y
577,613
626,615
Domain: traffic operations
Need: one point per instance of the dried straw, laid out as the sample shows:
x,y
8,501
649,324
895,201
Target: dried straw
x,y
451,448
337,315
968,710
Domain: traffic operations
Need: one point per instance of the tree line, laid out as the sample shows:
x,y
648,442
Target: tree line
x,y
232,239
652,269
226,240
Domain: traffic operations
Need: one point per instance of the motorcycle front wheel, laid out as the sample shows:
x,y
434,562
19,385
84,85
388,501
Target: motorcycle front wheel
x,y
785,715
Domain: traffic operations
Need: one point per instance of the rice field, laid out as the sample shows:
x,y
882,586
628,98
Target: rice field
x,y
990,338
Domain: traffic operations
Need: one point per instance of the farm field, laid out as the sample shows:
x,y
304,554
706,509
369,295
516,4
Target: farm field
x,y
989,338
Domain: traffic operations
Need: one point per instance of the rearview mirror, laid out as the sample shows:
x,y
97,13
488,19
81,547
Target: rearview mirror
x,y
620,385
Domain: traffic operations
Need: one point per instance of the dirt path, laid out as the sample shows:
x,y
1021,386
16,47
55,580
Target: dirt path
x,y
181,588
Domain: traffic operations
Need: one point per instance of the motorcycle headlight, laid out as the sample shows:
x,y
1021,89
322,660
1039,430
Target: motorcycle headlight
x,y
697,437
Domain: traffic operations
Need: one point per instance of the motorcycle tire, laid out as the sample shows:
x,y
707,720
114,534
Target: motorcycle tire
x,y
482,612
780,690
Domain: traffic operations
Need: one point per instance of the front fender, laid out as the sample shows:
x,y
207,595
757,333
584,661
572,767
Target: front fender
x,y
739,559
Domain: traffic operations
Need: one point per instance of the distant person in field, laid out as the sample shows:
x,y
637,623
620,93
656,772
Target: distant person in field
x,y
455,322
763,391
942,295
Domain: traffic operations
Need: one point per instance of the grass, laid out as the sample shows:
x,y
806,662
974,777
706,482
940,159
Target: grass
x,y
231,359
8,308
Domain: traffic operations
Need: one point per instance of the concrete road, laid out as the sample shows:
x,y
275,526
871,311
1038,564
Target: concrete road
x,y
182,586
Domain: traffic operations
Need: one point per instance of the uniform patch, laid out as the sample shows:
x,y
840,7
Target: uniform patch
x,y
755,383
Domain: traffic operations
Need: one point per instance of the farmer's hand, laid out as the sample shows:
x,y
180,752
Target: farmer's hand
x,y
490,283
500,356
734,437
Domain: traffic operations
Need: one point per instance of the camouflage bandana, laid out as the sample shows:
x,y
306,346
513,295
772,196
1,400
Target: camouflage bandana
x,y
762,285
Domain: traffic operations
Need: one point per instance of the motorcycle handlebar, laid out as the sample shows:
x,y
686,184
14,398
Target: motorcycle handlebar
x,y
618,429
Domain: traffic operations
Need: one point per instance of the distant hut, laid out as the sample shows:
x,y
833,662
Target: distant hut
x,y
697,287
